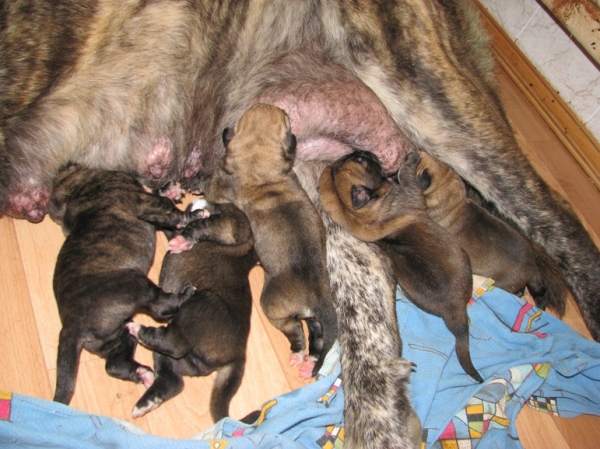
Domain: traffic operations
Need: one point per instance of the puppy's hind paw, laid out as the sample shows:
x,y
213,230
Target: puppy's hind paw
x,y
296,359
307,366
140,410
180,244
133,328
146,375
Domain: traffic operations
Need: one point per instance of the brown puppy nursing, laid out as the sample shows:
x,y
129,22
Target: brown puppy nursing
x,y
433,271
100,278
210,332
495,249
289,236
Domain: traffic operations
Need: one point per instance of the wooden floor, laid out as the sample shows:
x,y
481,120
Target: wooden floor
x,y
29,323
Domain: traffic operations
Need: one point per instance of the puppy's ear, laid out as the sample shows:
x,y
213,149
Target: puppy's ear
x,y
228,134
424,179
361,195
290,147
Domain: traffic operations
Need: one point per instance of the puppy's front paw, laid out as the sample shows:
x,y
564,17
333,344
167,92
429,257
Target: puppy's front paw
x,y
173,191
133,328
180,244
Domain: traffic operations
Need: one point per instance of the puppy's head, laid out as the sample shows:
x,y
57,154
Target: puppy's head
x,y
437,178
261,143
67,181
358,179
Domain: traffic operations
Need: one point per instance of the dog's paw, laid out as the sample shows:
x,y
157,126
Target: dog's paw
x,y
307,366
133,328
141,410
173,191
146,376
180,244
200,203
296,359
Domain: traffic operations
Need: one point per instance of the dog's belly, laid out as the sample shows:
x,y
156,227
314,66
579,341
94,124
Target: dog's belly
x,y
329,119
155,103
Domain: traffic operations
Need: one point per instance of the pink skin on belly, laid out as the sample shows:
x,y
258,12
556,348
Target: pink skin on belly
x,y
29,201
329,119
335,118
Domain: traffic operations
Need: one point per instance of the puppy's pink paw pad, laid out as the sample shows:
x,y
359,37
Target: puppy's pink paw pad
x,y
179,244
296,359
146,375
133,328
306,368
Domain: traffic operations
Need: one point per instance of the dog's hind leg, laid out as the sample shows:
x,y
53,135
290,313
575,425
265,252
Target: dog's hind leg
x,y
227,383
285,311
167,384
67,364
322,332
120,362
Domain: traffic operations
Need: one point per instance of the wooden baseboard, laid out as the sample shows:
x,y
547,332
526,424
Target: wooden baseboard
x,y
580,143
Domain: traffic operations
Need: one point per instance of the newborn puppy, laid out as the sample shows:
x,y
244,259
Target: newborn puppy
x,y
100,278
289,236
210,332
433,271
495,249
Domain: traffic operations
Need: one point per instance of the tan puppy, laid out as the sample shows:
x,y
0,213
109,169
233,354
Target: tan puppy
x,y
289,235
495,249
433,271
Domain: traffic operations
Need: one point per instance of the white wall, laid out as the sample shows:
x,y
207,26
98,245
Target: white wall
x,y
554,54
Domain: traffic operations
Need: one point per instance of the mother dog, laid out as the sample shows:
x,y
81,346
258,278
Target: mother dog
x,y
148,87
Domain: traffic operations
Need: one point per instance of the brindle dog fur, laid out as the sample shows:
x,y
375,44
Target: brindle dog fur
x,y
432,269
146,87
289,237
495,249
210,331
375,376
100,278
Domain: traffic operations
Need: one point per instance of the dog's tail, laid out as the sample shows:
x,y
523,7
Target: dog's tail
x,y
548,286
461,333
322,333
227,383
67,364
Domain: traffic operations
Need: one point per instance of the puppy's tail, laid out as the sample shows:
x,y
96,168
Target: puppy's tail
x,y
322,333
548,286
227,383
463,352
67,365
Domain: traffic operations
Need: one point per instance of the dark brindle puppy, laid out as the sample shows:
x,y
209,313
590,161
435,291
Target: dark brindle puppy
x,y
210,331
495,249
256,175
433,271
100,279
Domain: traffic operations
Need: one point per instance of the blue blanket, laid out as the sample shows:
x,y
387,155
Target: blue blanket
x,y
524,354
